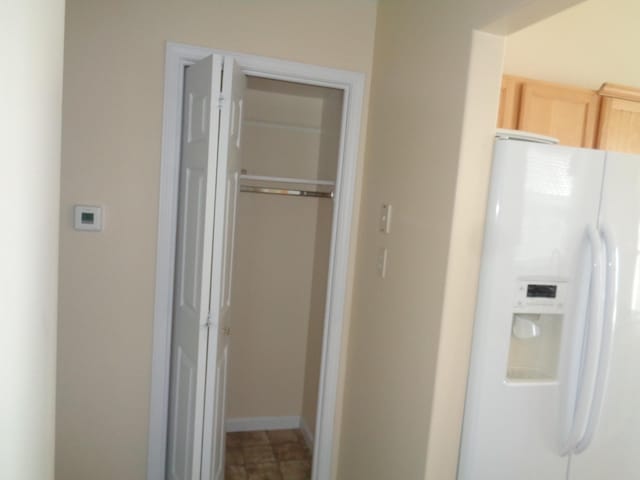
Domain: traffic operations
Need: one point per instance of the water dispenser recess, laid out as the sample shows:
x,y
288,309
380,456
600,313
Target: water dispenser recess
x,y
536,330
525,326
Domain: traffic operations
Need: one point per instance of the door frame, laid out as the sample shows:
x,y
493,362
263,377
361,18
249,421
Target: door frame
x,y
178,57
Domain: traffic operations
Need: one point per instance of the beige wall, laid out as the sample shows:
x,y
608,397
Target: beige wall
x,y
474,165
112,114
279,280
406,329
272,291
586,45
31,48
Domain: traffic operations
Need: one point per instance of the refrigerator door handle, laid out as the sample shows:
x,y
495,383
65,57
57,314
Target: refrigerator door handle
x,y
610,302
586,372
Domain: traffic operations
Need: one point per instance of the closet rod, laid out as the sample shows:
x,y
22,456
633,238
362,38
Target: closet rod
x,y
299,181
284,191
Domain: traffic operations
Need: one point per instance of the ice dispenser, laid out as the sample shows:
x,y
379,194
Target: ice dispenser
x,y
536,329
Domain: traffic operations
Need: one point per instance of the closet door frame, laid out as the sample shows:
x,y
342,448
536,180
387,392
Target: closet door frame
x,y
178,57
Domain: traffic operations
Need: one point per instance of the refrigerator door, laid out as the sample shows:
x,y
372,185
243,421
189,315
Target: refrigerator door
x,y
614,449
542,200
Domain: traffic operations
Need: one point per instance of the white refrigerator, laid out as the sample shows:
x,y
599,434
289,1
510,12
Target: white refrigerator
x,y
554,382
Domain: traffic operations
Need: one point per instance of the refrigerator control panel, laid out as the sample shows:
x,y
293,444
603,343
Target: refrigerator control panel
x,y
540,296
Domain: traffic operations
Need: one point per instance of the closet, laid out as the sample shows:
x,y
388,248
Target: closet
x,y
289,147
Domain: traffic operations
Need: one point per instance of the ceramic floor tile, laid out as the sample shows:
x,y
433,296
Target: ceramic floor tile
x,y
282,436
247,439
300,437
267,455
234,456
295,470
264,471
258,454
234,439
290,451
235,472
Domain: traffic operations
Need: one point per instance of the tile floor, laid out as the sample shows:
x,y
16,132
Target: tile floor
x,y
267,455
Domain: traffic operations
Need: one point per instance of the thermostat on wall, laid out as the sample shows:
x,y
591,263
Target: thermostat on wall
x,y
87,218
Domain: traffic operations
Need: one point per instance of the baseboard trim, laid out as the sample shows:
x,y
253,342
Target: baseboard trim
x,y
306,432
248,424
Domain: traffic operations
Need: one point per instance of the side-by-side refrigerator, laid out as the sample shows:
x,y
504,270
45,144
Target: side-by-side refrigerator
x,y
554,382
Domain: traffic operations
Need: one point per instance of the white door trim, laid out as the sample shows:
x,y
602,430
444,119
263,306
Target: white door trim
x,y
178,56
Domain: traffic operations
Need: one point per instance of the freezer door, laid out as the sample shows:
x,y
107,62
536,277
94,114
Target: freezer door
x,y
614,449
542,199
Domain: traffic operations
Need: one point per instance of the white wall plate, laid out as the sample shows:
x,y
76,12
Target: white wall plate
x,y
87,218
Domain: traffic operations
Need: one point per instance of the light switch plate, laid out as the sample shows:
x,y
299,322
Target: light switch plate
x,y
382,262
87,218
385,218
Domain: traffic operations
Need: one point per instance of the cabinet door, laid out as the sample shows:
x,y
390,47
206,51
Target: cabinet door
x,y
567,113
620,125
510,92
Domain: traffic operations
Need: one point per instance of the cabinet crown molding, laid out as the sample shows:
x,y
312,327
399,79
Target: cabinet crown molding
x,y
620,91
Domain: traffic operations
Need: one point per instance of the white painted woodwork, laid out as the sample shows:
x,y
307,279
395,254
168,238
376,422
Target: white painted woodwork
x,y
194,241
250,424
227,186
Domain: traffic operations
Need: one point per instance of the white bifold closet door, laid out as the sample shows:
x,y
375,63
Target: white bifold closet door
x,y
205,227
227,187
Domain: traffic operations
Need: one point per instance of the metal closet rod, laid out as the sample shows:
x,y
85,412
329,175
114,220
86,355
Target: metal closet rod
x,y
285,191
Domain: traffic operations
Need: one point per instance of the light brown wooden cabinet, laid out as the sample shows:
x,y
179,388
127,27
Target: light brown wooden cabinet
x,y
510,102
619,128
607,119
565,112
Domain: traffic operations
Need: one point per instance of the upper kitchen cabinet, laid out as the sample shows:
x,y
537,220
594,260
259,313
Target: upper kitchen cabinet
x,y
567,113
510,92
619,119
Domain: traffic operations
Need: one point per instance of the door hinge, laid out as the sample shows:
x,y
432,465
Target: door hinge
x,y
209,323
220,102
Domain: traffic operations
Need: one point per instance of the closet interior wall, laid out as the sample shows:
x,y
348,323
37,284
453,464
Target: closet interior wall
x,y
282,250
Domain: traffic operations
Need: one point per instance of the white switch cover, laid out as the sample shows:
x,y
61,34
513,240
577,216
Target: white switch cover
x,y
385,218
87,218
382,262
